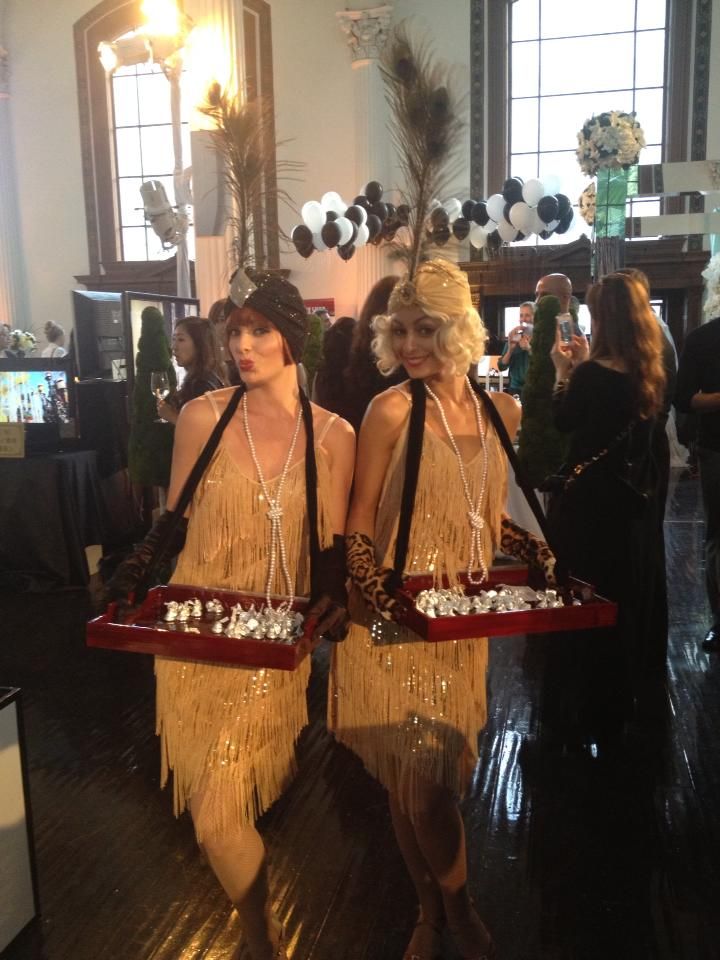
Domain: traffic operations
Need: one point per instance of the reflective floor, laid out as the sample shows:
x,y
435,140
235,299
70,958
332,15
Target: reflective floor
x,y
572,857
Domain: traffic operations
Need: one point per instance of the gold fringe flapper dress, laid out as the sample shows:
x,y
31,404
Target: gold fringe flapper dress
x,y
412,710
229,732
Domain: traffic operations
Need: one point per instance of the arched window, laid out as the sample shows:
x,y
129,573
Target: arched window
x,y
125,137
566,64
142,142
529,65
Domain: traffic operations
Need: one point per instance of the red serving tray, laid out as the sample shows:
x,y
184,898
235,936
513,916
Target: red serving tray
x,y
595,611
143,630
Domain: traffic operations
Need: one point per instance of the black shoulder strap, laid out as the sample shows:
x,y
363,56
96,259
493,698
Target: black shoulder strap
x,y
194,477
201,464
416,433
311,492
518,469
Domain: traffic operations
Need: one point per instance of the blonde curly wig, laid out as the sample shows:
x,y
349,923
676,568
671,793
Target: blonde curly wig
x,y
441,290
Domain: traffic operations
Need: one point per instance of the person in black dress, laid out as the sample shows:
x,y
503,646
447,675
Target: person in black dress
x,y
361,378
196,347
329,384
604,523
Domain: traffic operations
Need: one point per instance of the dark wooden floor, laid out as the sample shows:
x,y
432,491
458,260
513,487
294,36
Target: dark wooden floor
x,y
572,858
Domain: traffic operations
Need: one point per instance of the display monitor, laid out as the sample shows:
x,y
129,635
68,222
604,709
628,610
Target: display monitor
x,y
98,338
172,309
38,393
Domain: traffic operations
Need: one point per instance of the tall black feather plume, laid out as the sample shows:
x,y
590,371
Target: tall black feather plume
x,y
425,126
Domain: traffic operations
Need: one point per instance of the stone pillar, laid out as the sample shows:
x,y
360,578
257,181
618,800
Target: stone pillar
x,y
14,304
366,31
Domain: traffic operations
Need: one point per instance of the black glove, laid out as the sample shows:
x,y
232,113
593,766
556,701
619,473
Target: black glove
x,y
132,570
375,582
517,542
328,603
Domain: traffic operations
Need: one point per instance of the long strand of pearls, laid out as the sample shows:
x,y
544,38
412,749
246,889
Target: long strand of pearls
x,y
476,520
274,512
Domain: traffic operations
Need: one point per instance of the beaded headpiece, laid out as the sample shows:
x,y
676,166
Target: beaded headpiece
x,y
277,300
438,286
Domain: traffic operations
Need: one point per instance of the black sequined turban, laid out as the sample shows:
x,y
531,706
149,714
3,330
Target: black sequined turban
x,y
277,300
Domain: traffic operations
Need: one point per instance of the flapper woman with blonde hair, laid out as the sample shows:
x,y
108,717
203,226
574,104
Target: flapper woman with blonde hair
x,y
412,710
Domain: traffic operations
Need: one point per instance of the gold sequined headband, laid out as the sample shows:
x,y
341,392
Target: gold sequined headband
x,y
438,286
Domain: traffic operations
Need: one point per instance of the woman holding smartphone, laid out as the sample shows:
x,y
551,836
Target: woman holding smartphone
x,y
606,399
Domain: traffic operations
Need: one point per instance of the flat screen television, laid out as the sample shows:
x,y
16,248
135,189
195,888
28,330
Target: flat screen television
x,y
172,309
98,338
40,394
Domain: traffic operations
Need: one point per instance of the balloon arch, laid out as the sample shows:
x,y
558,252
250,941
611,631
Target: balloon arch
x,y
520,210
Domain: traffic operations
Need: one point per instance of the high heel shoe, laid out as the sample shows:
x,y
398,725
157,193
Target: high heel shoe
x,y
425,942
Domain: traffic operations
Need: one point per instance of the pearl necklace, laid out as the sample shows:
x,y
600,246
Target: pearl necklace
x,y
475,511
274,511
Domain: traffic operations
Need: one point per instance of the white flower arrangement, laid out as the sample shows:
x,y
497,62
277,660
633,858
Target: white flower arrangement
x,y
21,342
587,201
609,141
711,275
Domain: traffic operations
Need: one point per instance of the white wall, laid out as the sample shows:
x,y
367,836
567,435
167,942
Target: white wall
x,y
314,109
46,136
314,98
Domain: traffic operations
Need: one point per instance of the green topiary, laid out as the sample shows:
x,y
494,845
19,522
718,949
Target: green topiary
x,y
542,447
151,443
313,352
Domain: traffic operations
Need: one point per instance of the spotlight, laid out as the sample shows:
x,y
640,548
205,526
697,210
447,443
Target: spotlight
x,y
125,52
158,212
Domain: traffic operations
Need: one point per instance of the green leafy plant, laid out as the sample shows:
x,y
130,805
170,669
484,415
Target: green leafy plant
x,y
313,352
151,442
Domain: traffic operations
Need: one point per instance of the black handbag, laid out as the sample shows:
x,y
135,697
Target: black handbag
x,y
568,474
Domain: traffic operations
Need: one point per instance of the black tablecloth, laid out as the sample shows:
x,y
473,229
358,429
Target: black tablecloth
x,y
51,508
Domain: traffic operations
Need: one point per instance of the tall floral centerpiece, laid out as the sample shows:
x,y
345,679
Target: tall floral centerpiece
x,y
609,145
22,343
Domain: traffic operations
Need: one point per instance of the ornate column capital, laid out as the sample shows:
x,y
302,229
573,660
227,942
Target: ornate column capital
x,y
366,30
4,73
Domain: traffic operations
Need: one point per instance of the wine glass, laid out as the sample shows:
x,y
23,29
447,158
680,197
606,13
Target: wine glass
x,y
160,386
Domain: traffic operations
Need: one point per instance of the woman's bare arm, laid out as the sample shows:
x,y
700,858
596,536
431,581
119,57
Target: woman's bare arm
x,y
379,433
194,426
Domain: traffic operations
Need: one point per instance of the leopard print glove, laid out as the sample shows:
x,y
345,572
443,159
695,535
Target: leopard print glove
x,y
369,577
517,542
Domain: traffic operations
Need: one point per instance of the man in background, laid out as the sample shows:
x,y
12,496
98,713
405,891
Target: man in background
x,y
555,285
515,355
698,392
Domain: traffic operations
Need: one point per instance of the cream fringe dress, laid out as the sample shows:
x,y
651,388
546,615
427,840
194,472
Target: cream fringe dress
x,y
412,710
230,732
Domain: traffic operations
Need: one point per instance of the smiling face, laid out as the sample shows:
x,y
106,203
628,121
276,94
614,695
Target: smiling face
x,y
413,337
256,346
183,347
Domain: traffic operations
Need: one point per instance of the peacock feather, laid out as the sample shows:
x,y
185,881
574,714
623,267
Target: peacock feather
x,y
243,136
425,125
